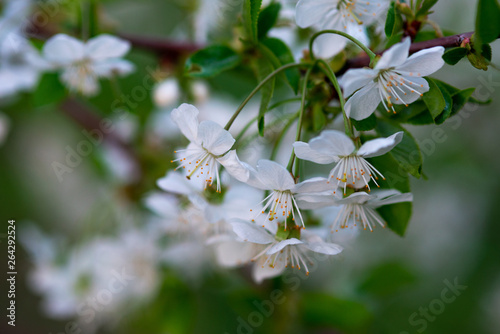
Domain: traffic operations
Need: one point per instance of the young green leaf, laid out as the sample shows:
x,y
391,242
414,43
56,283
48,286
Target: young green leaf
x,y
251,12
391,20
285,56
211,61
453,56
319,118
267,19
434,99
407,153
425,8
397,216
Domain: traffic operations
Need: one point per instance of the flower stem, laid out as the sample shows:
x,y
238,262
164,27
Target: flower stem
x,y
259,86
369,52
329,73
301,116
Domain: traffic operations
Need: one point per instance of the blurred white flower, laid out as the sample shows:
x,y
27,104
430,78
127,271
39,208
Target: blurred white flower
x,y
209,146
167,93
274,255
351,167
396,79
82,64
350,16
20,66
14,19
278,180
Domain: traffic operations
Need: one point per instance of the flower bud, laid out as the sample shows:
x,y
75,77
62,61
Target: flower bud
x,y
166,93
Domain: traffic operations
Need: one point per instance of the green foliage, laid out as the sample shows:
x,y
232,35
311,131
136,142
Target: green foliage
x,y
319,118
251,11
394,21
453,56
434,99
397,216
267,19
406,153
387,279
50,90
320,310
425,9
487,21
211,61
263,68
366,124
284,56
480,58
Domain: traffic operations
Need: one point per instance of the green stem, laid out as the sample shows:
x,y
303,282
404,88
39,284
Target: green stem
x,y
329,73
301,116
259,86
369,52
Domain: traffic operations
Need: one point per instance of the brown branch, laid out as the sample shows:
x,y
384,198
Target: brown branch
x,y
447,42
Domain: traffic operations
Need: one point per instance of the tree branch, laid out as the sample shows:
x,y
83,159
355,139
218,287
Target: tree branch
x,y
447,42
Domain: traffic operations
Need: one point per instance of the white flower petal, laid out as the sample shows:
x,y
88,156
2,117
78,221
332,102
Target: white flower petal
x,y
234,166
250,232
380,146
112,67
262,271
424,62
303,151
282,244
312,202
395,56
363,103
407,197
234,253
214,138
356,198
176,183
162,204
106,46
354,79
63,49
324,247
314,185
186,118
274,176
332,142
310,12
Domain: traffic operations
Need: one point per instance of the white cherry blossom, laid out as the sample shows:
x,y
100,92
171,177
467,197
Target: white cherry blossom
x,y
272,255
210,147
282,200
396,79
351,167
83,63
350,16
359,207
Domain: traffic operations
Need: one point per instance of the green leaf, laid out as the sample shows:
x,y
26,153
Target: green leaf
x,y
487,21
365,124
434,99
406,153
426,7
486,52
448,104
211,61
460,99
285,56
267,19
391,20
453,56
319,310
263,68
386,279
50,90
397,216
251,12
